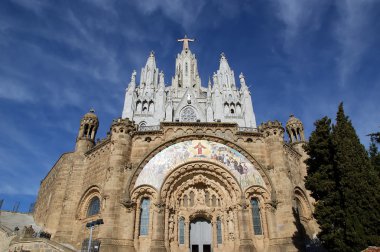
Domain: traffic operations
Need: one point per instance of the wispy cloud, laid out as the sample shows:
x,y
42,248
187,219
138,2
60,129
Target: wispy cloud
x,y
298,16
353,33
14,90
183,12
36,6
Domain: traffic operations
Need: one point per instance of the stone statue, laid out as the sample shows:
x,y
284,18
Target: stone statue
x,y
171,228
185,41
188,98
242,80
133,77
162,76
231,226
201,197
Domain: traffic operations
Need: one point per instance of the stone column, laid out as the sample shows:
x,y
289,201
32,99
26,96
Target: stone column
x,y
187,232
111,233
214,231
246,244
127,224
158,237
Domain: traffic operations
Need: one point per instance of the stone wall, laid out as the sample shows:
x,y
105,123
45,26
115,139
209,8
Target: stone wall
x,y
111,167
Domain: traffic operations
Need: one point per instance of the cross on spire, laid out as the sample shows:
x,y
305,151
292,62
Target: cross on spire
x,y
185,41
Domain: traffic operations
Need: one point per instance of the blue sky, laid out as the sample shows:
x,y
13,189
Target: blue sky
x,y
60,58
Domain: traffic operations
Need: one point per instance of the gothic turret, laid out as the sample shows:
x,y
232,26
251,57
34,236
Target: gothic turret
x,y
87,132
144,103
230,103
294,128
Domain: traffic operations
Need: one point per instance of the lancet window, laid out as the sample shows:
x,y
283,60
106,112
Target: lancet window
x,y
219,230
256,219
181,230
144,216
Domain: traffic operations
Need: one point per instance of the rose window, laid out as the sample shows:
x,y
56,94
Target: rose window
x,y
188,115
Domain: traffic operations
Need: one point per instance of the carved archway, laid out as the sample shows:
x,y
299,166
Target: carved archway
x,y
210,191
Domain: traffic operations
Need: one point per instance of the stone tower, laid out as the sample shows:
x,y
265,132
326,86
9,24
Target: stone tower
x,y
87,132
294,128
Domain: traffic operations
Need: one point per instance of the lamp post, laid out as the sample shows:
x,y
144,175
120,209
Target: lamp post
x,y
91,225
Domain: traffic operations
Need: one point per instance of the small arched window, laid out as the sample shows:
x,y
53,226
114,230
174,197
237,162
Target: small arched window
x,y
85,132
93,207
144,216
181,230
219,231
256,217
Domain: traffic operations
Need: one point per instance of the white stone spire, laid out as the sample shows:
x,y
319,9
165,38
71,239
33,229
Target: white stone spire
x,y
149,73
185,99
225,75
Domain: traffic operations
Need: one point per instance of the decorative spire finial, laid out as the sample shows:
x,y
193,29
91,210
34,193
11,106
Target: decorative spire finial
x,y
185,41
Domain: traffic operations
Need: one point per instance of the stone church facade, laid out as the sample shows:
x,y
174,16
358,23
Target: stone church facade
x,y
184,169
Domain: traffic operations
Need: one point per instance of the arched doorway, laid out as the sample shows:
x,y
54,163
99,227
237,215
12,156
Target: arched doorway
x,y
200,235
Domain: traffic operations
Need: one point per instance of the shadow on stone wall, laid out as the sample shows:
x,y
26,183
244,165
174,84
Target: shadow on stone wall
x,y
301,240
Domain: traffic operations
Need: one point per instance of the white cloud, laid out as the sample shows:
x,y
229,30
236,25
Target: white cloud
x,y
13,90
34,5
297,15
183,12
352,32
22,189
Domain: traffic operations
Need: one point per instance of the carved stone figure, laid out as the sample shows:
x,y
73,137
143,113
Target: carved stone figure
x,y
231,226
201,197
171,228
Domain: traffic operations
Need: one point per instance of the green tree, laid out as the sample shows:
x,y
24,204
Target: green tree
x,y
374,155
321,181
375,137
345,186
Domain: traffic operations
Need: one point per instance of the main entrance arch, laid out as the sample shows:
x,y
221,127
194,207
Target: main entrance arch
x,y
197,195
